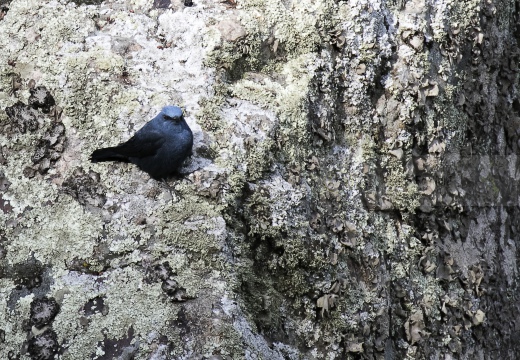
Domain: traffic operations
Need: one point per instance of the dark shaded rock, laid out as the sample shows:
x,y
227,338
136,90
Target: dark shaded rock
x,y
42,151
3,11
49,148
87,2
23,116
170,286
4,183
163,271
95,306
43,311
43,346
161,4
41,98
27,274
85,188
3,247
122,349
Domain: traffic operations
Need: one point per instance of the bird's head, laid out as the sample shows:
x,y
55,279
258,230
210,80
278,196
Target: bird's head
x,y
172,113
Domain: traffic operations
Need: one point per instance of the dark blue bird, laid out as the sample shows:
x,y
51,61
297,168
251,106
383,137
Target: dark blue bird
x,y
159,147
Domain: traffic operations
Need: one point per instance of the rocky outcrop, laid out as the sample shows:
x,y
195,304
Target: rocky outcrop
x,y
351,194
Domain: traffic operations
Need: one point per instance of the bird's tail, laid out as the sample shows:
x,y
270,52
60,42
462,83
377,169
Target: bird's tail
x,y
107,154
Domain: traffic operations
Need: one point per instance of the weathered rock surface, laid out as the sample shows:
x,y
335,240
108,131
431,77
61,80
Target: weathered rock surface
x,y
352,192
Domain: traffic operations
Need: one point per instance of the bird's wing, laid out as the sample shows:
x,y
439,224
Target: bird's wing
x,y
141,144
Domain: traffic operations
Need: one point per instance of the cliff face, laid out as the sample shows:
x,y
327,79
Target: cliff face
x,y
352,192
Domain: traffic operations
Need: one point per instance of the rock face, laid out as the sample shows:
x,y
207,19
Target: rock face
x,y
352,191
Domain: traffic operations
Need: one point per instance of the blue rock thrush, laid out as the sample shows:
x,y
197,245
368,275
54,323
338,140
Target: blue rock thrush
x,y
159,147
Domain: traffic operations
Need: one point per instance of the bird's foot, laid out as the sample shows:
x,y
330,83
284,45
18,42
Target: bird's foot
x,y
176,196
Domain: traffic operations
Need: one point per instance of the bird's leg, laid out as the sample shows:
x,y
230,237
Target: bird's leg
x,y
182,175
173,192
